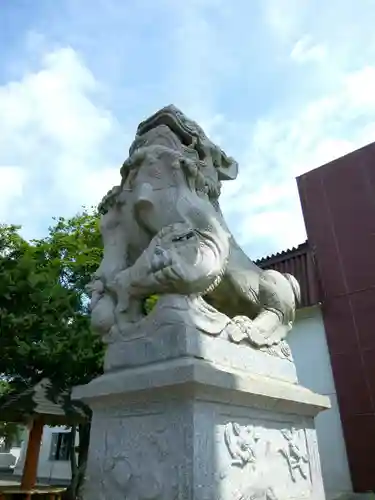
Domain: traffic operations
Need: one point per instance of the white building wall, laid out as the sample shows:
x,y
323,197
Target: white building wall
x,y
48,469
309,347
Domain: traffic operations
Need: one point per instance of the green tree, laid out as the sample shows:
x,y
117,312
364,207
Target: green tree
x,y
10,432
44,317
150,303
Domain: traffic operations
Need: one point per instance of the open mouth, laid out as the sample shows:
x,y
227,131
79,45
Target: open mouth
x,y
191,136
170,117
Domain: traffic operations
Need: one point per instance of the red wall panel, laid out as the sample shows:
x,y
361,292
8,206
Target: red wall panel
x,y
338,203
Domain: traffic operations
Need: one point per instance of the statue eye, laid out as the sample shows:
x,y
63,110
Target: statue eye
x,y
184,237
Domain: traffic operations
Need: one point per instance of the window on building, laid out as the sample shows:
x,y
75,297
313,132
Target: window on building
x,y
60,446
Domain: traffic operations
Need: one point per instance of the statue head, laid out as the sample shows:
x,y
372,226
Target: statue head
x,y
191,135
172,168
203,164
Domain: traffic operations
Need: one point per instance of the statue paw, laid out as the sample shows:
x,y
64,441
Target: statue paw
x,y
248,330
235,333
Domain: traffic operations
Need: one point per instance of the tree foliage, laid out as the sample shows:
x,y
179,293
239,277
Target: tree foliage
x,y
44,321
10,432
150,303
44,317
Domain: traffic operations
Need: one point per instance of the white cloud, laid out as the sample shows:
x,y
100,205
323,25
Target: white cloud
x,y
274,82
56,134
198,58
12,181
285,17
306,51
264,201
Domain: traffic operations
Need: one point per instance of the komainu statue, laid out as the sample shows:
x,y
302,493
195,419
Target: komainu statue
x,y
164,234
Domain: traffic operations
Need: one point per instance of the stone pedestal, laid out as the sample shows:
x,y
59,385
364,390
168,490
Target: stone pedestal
x,y
201,419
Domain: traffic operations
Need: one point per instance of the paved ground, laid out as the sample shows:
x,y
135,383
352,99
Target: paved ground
x,y
8,483
7,479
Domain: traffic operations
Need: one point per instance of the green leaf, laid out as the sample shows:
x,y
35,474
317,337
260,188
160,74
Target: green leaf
x,y
44,323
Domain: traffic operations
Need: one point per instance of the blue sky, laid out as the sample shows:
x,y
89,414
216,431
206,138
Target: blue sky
x,y
282,85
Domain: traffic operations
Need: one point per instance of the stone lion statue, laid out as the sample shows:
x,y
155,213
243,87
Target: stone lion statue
x,y
164,234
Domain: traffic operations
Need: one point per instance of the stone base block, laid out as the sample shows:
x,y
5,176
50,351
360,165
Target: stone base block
x,y
188,430
170,343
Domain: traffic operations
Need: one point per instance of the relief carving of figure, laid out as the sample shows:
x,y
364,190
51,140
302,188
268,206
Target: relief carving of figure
x,y
164,233
241,441
297,459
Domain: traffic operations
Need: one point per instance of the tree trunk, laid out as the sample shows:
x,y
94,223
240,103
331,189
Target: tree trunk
x,y
71,492
72,454
75,490
84,441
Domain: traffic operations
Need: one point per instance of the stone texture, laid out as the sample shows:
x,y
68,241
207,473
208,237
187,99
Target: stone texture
x,y
200,398
186,430
164,233
183,342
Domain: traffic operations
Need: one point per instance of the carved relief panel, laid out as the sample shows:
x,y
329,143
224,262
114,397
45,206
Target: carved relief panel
x,y
263,459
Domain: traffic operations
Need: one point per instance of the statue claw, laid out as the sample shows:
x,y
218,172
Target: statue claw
x,y
249,330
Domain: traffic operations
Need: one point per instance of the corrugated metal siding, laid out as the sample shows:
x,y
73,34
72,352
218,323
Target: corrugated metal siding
x,y
300,263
